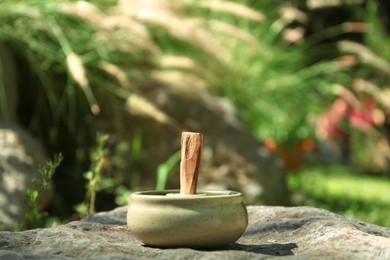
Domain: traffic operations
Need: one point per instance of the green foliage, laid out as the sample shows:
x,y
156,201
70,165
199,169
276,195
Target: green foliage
x,y
93,61
122,191
122,195
135,153
46,172
95,180
109,173
275,89
104,52
343,191
166,169
34,215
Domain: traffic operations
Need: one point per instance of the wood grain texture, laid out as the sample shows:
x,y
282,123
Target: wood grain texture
x,y
191,152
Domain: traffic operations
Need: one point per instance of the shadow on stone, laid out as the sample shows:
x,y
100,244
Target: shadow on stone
x,y
270,249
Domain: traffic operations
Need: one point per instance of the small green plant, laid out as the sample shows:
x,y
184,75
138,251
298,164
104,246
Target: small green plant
x,y
166,169
109,172
94,175
122,194
164,172
34,215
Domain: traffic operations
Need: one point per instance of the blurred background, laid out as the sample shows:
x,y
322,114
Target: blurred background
x,y
292,97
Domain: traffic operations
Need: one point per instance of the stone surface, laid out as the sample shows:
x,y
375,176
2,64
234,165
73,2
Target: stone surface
x,y
287,233
20,157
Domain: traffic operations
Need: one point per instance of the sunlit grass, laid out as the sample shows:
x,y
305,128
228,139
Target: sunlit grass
x,y
341,190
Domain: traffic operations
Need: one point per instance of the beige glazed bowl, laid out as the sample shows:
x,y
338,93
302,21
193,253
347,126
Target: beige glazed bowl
x,y
209,219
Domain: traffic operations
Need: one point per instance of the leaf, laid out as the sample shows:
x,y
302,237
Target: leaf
x,y
77,71
166,169
31,196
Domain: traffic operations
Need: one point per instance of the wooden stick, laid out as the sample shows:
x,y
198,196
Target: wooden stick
x,y
191,151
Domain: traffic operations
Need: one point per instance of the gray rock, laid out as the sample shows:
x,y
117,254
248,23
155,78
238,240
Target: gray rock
x,y
20,157
287,233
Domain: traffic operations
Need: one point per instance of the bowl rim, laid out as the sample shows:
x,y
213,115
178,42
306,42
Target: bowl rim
x,y
202,194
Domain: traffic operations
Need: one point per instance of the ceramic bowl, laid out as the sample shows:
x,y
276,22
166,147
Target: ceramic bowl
x,y
209,219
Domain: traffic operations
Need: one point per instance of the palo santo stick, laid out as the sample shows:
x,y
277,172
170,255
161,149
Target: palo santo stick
x,y
191,151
